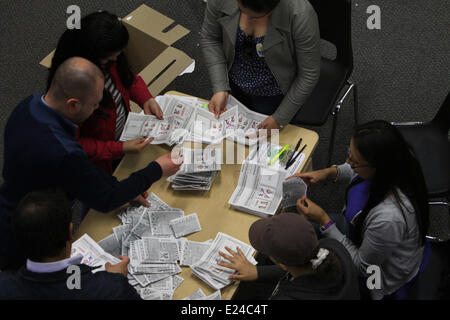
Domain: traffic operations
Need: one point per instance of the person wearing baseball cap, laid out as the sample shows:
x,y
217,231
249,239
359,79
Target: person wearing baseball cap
x,y
306,268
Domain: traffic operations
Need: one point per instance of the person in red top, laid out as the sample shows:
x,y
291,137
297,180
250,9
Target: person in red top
x,y
102,39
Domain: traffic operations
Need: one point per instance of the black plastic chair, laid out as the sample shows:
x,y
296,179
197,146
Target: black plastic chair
x,y
335,27
430,142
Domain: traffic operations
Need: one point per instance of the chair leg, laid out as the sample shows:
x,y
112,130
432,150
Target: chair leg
x,y
355,103
333,132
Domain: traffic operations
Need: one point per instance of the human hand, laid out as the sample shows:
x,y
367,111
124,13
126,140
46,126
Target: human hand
x,y
246,270
269,124
312,177
170,163
121,267
136,145
152,107
218,103
141,200
312,211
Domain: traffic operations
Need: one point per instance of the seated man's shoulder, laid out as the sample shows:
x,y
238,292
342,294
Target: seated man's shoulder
x,y
77,283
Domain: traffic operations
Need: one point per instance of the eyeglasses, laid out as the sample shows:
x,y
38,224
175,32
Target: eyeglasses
x,y
353,164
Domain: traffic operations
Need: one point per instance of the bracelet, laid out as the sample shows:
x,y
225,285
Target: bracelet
x,y
325,227
337,174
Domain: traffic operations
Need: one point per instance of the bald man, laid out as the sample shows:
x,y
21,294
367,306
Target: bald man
x,y
41,152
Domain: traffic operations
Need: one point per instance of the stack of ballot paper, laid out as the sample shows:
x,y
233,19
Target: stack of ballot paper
x,y
178,114
260,186
207,268
186,118
154,240
198,170
93,254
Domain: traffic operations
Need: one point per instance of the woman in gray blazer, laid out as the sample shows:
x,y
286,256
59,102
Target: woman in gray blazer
x,y
265,52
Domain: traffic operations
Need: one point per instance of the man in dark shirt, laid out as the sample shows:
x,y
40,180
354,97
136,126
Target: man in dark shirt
x,y
41,152
42,225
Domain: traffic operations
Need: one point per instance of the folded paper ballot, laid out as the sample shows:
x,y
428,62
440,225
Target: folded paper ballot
x,y
198,170
187,119
207,268
293,189
153,240
260,185
178,117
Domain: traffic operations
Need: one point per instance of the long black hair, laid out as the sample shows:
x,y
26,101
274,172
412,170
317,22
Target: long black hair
x,y
385,149
101,34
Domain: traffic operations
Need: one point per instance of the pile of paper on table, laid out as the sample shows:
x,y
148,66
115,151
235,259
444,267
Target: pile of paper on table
x,y
198,170
207,268
260,186
153,239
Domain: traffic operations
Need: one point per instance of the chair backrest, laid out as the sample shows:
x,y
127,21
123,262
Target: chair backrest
x,y
442,118
335,23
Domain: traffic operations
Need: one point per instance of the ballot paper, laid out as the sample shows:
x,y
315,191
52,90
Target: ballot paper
x,y
293,189
111,245
159,221
197,295
147,237
198,170
154,250
260,185
187,119
201,160
207,268
192,252
178,115
215,296
185,225
247,123
93,254
208,129
201,181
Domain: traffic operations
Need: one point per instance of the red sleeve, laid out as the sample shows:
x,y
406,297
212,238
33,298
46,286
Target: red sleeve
x,y
139,92
101,150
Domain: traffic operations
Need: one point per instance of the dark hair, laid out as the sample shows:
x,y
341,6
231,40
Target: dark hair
x,y
383,146
101,35
260,6
41,223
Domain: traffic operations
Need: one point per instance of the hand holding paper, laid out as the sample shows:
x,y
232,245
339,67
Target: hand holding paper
x,y
218,103
312,211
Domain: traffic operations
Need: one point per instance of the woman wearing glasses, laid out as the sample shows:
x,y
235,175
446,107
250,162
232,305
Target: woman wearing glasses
x,y
265,52
386,208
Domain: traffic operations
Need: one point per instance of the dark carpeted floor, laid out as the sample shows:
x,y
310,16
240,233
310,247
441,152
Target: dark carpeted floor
x,y
403,70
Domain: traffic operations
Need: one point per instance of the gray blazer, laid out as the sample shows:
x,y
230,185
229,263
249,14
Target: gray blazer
x,y
291,49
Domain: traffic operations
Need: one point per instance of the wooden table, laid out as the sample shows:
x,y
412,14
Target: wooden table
x,y
211,206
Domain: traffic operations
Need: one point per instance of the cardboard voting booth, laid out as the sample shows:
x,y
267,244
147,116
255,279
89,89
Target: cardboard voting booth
x,y
149,49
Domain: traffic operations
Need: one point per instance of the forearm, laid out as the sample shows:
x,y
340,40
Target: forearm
x,y
101,191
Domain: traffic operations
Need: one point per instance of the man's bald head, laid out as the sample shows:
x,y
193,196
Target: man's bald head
x,y
76,89
75,78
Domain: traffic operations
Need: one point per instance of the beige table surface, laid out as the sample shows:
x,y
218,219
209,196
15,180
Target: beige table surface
x,y
214,212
